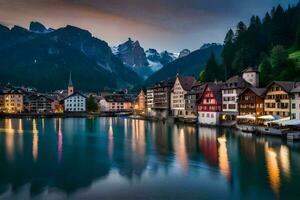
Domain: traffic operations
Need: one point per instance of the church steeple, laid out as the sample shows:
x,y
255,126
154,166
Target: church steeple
x,y
70,79
70,86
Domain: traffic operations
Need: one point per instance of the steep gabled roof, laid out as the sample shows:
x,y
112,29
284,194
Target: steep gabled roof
x,y
216,90
118,98
258,91
286,85
235,82
187,82
250,69
74,94
296,89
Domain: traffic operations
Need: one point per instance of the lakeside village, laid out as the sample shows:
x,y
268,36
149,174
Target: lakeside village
x,y
238,102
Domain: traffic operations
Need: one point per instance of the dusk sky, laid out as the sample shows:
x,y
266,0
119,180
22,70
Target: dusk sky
x,y
161,24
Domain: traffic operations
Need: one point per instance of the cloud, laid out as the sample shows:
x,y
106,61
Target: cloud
x,y
162,24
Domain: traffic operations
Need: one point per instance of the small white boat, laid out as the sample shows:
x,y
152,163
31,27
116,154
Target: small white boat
x,y
246,128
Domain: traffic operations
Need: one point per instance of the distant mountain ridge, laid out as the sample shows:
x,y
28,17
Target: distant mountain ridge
x,y
191,64
46,56
142,62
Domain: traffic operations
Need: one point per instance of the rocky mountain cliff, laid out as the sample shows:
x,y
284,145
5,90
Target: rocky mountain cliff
x,y
43,58
190,64
143,62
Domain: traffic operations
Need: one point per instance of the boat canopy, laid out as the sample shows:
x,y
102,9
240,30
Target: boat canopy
x,y
293,122
269,117
279,121
250,117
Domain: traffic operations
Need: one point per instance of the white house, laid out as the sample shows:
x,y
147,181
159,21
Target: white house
x,y
182,85
150,101
230,92
295,103
76,102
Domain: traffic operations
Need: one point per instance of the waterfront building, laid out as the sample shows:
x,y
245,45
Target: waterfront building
x,y
141,101
1,100
251,101
75,102
149,101
230,92
191,100
251,75
116,102
38,103
161,98
278,98
295,103
13,100
182,85
210,104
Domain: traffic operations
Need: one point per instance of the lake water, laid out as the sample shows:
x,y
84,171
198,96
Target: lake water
x,y
121,158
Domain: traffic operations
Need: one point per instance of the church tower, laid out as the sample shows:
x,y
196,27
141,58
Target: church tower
x,y
70,86
251,75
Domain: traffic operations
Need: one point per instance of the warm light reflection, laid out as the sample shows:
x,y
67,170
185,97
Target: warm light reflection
x,y
110,139
223,157
138,137
20,126
125,127
180,149
43,123
60,140
285,160
272,168
9,139
35,140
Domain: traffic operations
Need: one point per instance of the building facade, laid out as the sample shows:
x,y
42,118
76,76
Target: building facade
x,y
141,101
162,98
182,85
230,92
295,103
191,100
116,103
13,101
210,105
278,98
75,103
39,103
251,101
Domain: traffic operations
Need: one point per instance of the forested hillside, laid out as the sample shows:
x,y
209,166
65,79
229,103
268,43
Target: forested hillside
x,y
270,43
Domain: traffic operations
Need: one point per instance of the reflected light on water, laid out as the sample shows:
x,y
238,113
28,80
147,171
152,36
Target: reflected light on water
x,y
35,140
20,126
273,169
180,149
285,160
60,141
223,157
110,139
9,139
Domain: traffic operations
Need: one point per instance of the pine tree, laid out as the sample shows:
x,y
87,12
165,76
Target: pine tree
x,y
91,104
212,69
297,39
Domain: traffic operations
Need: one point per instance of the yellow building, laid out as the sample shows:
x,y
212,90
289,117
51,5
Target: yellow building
x,y
278,98
141,101
13,101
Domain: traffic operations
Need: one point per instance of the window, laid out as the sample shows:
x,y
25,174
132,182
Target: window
x,y
293,106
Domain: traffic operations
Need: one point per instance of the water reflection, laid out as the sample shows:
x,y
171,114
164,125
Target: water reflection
x,y
273,168
180,149
74,156
223,157
59,140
